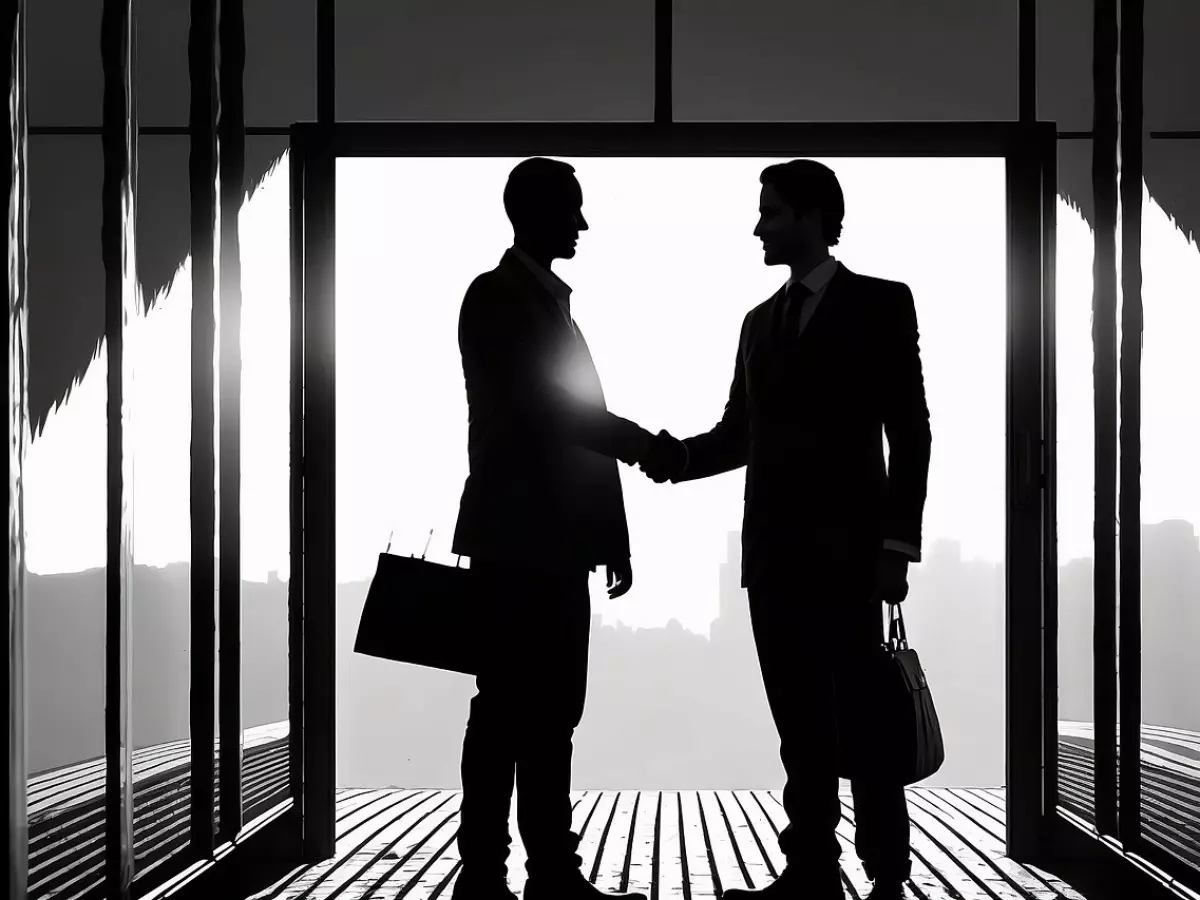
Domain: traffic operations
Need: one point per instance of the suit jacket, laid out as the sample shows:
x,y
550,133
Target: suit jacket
x,y
807,415
543,487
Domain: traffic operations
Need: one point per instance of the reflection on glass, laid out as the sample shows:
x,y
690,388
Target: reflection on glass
x,y
266,403
664,263
1170,740
159,342
65,492
1076,475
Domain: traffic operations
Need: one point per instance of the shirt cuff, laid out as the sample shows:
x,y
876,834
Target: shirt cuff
x,y
903,547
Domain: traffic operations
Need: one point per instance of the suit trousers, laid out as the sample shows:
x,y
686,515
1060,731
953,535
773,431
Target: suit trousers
x,y
522,719
815,631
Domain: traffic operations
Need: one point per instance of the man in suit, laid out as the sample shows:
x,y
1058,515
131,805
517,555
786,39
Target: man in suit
x,y
541,508
824,367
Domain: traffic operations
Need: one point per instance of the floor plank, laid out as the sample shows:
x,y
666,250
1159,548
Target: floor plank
x,y
610,868
642,851
764,836
672,882
752,854
404,855
972,834
376,853
591,845
695,850
725,854
987,878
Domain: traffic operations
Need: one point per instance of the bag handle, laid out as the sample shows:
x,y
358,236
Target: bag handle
x,y
388,548
897,636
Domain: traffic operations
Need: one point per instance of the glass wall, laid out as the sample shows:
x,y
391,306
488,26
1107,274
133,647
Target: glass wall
x,y
65,513
263,227
159,398
1170,740
1076,477
459,59
661,265
937,60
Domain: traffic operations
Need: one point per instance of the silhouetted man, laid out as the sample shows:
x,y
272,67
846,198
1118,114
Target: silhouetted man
x,y
824,367
541,508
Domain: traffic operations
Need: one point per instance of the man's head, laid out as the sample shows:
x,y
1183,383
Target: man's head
x,y
800,212
545,205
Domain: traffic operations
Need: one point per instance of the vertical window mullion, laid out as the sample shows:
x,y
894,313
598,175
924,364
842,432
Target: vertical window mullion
x,y
1130,623
12,629
1104,340
202,173
120,297
232,138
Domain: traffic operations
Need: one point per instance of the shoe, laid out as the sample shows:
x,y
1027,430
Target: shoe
x,y
571,885
475,884
792,884
889,889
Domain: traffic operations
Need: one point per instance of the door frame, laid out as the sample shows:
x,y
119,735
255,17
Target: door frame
x,y
1030,151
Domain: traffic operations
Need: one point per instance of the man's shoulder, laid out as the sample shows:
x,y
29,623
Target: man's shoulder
x,y
872,284
488,287
762,311
489,281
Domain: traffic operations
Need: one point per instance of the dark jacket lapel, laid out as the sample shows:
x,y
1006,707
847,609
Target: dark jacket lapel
x,y
828,308
780,358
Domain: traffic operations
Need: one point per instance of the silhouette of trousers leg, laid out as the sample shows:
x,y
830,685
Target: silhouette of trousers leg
x,y
813,634
522,720
881,825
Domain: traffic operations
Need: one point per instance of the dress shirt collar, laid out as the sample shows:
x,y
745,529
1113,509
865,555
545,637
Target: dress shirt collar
x,y
817,277
557,288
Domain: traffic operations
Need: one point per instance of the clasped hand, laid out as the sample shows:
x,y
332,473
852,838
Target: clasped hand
x,y
664,458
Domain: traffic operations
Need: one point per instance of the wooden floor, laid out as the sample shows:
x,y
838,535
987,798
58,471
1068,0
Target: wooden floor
x,y
1170,784
66,809
686,844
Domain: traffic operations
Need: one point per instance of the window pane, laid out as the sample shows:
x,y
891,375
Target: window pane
x,y
846,61
1172,68
1075,485
265,503
403,267
1170,516
65,512
1064,63
162,79
159,342
65,80
473,59
280,80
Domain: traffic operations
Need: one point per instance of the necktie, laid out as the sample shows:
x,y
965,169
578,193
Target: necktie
x,y
795,297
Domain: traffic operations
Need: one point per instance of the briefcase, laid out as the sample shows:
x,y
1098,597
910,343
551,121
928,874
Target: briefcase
x,y
424,613
906,746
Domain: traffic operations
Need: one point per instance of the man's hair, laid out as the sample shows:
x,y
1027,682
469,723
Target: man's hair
x,y
531,182
805,184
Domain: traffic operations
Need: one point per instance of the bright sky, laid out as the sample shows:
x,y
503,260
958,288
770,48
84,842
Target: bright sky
x,y
670,261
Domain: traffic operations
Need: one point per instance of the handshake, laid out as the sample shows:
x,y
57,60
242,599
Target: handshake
x,y
662,457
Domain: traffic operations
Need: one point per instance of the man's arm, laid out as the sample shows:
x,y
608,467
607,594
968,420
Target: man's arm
x,y
906,423
497,344
726,446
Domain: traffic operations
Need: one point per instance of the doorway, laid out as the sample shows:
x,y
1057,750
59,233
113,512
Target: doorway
x,y
1002,165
